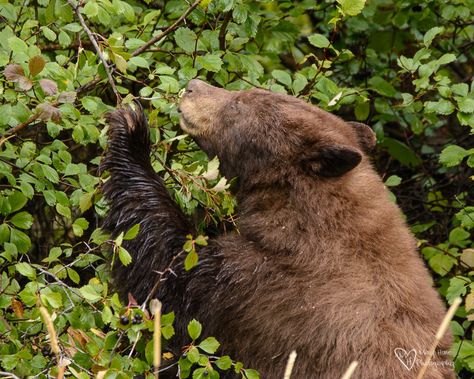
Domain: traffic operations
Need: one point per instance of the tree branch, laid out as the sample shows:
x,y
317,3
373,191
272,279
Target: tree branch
x,y
167,31
9,133
97,49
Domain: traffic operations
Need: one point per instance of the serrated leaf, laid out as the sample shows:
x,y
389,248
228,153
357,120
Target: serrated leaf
x,y
20,239
319,40
431,34
210,62
282,77
251,374
90,293
458,236
443,107
224,363
22,220
209,345
191,260
382,87
13,72
194,329
441,263
132,232
139,62
393,181
48,86
26,269
124,256
466,105
452,155
446,58
186,39
47,112
350,8
67,97
36,65
48,33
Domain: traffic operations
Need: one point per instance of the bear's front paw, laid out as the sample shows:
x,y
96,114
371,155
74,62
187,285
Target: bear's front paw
x,y
128,129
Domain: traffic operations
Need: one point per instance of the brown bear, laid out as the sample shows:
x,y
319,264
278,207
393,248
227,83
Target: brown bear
x,y
322,261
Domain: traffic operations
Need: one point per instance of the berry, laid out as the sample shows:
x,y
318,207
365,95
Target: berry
x,y
124,320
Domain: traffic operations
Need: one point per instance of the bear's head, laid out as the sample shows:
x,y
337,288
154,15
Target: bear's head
x,y
261,137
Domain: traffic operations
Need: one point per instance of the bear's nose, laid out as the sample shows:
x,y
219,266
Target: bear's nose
x,y
196,85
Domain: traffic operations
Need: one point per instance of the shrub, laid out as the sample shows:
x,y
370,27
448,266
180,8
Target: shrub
x,y
405,68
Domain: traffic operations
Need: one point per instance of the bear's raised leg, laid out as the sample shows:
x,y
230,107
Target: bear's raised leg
x,y
137,195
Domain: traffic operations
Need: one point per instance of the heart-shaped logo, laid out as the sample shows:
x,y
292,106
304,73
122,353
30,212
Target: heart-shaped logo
x,y
407,358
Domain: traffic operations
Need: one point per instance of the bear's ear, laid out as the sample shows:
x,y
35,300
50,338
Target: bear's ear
x,y
331,161
365,136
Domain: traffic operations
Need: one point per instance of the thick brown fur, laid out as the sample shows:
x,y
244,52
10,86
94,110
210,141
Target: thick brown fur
x,y
322,262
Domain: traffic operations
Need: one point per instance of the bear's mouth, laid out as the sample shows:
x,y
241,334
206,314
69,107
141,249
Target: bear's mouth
x,y
186,124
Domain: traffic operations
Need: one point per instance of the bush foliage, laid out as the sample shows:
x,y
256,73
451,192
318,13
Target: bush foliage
x,y
404,67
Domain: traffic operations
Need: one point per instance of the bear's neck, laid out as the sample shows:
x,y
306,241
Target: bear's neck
x,y
309,215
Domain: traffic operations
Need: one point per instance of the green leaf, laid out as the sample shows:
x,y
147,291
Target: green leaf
x,y
73,275
50,173
466,105
22,220
132,232
224,363
26,269
194,329
319,40
191,260
251,374
90,293
20,239
186,39
446,58
210,62
382,87
443,107
17,201
53,299
209,345
441,263
124,256
139,62
393,181
401,152
79,226
48,33
452,155
457,287
282,77
431,34
458,236
350,8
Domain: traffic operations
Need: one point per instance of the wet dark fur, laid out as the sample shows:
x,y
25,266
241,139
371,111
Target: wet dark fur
x,y
323,264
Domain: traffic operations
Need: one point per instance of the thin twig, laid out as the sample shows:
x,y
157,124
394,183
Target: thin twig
x,y
6,375
11,132
223,31
167,31
350,370
97,49
439,335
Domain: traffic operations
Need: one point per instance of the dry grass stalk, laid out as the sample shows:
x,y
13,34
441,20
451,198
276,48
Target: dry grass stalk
x,y
350,370
439,335
290,364
53,340
155,306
